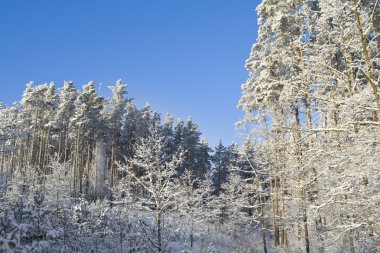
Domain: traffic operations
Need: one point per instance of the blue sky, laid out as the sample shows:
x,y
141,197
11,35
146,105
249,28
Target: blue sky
x,y
185,57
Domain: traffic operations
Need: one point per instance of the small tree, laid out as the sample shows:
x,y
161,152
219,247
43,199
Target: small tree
x,y
9,233
194,202
157,180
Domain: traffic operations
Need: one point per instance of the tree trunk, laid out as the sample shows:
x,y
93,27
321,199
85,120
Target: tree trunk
x,y
284,238
302,191
159,229
370,75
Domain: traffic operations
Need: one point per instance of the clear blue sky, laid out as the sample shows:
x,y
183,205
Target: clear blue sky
x,y
185,57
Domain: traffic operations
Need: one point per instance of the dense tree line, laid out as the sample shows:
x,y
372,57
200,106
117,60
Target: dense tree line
x,y
88,167
73,124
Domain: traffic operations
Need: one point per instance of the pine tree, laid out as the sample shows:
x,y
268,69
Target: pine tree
x,y
88,127
129,134
9,234
221,166
66,107
203,159
114,116
37,235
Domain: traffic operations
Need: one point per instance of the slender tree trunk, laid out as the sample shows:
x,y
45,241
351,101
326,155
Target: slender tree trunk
x,y
60,144
370,76
88,163
302,191
284,238
31,149
65,146
191,235
2,159
305,226
274,223
159,228
81,163
263,228
112,158
46,154
40,151
76,168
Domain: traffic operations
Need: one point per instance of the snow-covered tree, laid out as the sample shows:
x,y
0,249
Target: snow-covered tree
x,y
66,108
9,234
194,203
88,126
38,233
157,181
38,109
221,166
311,100
115,111
56,151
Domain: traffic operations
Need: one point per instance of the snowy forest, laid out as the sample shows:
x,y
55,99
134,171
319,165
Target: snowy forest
x,y
84,173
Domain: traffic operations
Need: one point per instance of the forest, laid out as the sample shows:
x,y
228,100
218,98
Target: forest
x,y
84,173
